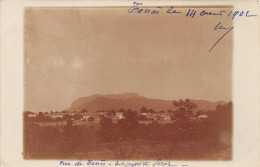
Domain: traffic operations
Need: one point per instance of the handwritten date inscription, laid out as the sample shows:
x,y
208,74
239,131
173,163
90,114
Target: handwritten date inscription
x,y
192,13
137,8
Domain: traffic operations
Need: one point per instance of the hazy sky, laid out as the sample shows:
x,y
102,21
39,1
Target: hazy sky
x,y
71,53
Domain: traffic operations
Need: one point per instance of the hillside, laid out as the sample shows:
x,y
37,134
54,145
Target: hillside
x,y
132,101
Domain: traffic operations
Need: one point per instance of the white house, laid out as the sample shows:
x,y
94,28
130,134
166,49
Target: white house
x,y
119,115
202,117
32,115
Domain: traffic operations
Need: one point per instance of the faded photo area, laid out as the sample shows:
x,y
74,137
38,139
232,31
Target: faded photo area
x,y
106,84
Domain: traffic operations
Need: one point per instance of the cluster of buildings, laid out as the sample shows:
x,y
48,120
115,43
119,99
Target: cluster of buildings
x,y
82,117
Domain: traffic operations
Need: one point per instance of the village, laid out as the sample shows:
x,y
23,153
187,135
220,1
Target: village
x,y
84,117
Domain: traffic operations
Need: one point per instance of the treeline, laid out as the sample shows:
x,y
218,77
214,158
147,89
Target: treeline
x,y
183,128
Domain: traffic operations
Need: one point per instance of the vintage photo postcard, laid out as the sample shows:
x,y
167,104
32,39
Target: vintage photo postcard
x,y
103,83
130,83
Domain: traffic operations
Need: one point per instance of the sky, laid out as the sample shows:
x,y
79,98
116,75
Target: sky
x,y
76,52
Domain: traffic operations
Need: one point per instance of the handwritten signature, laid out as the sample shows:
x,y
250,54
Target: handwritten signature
x,y
220,27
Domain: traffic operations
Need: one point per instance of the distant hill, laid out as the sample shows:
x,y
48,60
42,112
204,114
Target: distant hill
x,y
131,101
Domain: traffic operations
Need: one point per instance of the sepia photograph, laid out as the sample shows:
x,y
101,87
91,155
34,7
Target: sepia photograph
x,y
128,83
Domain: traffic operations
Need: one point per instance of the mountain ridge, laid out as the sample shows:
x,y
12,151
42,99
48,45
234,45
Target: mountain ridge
x,y
131,101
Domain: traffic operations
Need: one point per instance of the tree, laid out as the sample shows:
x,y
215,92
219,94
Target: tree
x,y
111,113
77,116
143,109
84,110
198,113
151,111
66,117
129,114
40,114
130,121
69,123
107,130
40,117
223,116
184,108
225,107
91,119
122,110
63,111
58,119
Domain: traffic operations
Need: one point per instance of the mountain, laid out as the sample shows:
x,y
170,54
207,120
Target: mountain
x,y
132,101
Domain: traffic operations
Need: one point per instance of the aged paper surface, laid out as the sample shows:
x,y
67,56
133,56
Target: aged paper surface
x,y
144,83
